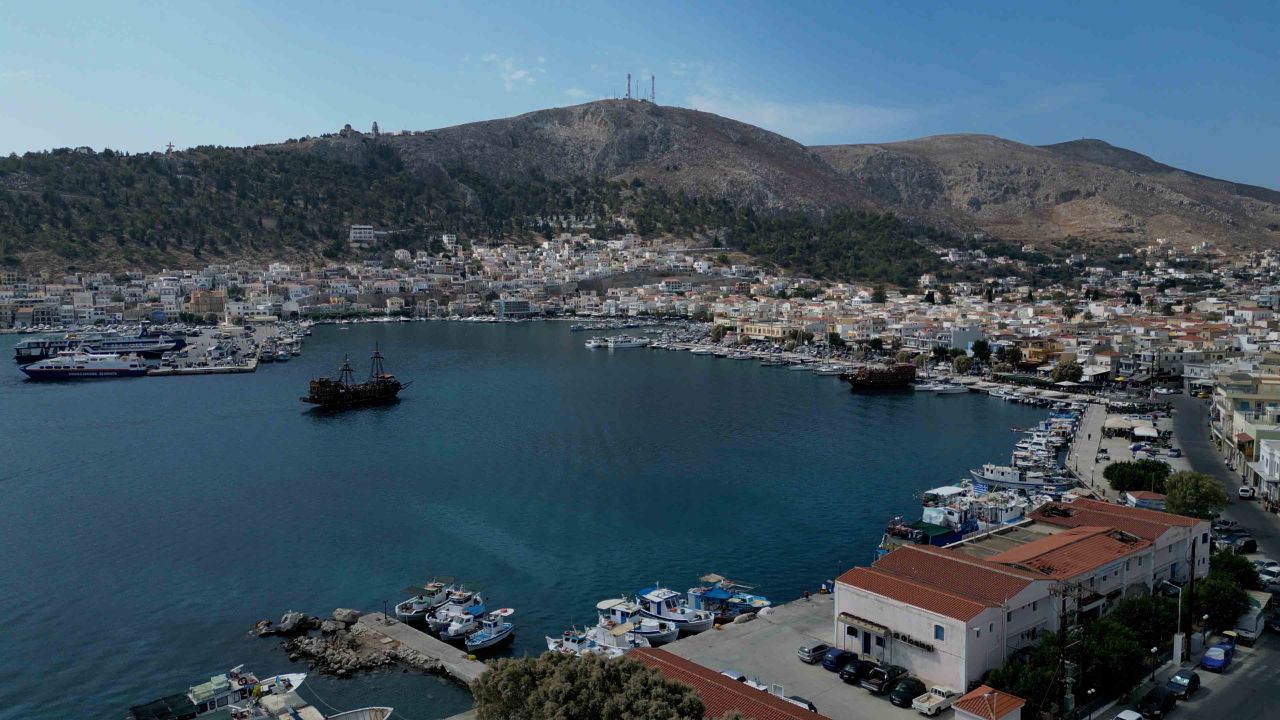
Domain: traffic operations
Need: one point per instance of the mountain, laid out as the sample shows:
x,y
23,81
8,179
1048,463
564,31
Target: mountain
x,y
673,170
1087,189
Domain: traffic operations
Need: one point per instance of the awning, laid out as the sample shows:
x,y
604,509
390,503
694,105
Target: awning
x,y
1067,383
1244,437
862,624
1146,432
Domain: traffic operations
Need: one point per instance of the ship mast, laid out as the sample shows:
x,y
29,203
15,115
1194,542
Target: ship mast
x,y
346,375
375,364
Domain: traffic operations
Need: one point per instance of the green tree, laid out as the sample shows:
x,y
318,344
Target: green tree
x,y
834,340
1195,495
561,687
962,364
1239,569
878,294
981,351
718,332
876,345
939,353
928,298
1068,371
1222,599
902,357
1150,475
1013,355
945,294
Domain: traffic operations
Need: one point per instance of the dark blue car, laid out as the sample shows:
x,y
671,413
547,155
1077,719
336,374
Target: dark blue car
x,y
836,659
1217,658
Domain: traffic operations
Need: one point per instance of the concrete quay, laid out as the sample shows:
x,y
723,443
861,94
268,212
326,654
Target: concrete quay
x,y
454,661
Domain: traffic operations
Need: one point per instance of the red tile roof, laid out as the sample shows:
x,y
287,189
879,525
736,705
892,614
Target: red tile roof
x,y
957,573
720,694
1146,524
1072,552
989,703
915,594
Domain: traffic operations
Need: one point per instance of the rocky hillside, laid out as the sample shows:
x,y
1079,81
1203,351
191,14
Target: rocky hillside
x,y
1086,189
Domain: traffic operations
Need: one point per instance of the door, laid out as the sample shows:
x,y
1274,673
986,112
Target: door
x,y
866,643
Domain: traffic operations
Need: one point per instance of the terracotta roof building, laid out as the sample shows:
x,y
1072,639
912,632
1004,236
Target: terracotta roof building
x,y
719,693
987,703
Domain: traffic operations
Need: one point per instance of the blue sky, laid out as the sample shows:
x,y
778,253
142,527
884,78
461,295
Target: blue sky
x,y
1196,87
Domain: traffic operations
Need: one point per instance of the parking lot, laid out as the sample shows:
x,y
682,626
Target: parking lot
x,y
765,651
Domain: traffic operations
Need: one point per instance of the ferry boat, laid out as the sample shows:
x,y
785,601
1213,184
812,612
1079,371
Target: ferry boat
x,y
662,603
144,344
616,342
725,598
494,630
219,692
620,611
74,364
427,599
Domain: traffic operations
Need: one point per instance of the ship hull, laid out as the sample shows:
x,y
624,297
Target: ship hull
x,y
86,374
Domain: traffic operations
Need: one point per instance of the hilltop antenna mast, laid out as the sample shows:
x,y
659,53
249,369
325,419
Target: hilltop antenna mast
x,y
653,95
168,149
628,86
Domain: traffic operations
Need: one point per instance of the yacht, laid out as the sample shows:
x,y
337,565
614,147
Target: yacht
x,y
220,691
73,364
662,603
617,342
620,611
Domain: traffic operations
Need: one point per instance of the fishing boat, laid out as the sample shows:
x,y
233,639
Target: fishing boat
x,y
218,692
459,602
620,611
426,599
1014,478
609,642
724,598
74,365
494,630
665,604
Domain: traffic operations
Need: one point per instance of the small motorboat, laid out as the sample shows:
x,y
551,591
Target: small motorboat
x,y
459,602
619,611
662,603
427,599
494,630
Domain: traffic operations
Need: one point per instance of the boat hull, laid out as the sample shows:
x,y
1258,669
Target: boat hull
x,y
85,374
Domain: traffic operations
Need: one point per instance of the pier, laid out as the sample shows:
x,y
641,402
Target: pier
x,y
457,663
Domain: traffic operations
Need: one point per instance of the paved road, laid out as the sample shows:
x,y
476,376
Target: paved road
x,y
1190,424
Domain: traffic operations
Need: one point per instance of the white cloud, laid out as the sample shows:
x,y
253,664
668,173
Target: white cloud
x,y
510,74
808,122
577,93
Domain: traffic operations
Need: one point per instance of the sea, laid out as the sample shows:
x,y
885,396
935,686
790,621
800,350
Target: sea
x,y
146,524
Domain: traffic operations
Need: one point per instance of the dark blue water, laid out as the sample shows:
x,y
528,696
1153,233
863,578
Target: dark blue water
x,y
146,524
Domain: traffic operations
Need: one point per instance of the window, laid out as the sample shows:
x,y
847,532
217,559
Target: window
x,y
1008,617
939,632
879,641
1035,605
1204,538
978,632
851,631
991,627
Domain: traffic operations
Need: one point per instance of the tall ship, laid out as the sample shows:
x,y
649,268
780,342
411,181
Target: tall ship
x,y
880,377
344,391
143,344
75,364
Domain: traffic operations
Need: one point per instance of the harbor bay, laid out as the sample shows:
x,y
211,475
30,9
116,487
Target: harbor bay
x,y
148,525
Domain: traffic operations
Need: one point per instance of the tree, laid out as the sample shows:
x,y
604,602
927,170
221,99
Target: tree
x,y
928,297
1238,568
1151,475
878,294
962,364
834,340
876,344
1195,495
902,357
718,332
940,353
1222,599
1013,355
1068,371
982,351
565,687
945,292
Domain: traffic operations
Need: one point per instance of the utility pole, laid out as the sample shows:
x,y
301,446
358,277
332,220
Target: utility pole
x,y
628,86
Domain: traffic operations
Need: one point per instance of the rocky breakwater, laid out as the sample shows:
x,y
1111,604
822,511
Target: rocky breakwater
x,y
341,647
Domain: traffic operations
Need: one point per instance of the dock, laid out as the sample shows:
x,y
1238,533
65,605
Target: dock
x,y
456,662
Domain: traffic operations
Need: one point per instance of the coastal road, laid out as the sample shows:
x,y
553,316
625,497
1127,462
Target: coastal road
x,y
1190,424
1246,691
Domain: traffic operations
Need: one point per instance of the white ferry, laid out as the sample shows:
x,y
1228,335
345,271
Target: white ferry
x,y
73,364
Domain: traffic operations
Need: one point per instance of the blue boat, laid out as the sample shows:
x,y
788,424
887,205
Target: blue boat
x,y
662,603
616,612
725,599
460,602
494,630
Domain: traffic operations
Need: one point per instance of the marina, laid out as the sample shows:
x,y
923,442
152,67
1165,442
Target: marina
x,y
553,540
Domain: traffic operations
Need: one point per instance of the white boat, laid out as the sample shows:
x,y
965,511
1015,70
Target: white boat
x,y
617,342
609,642
427,599
596,342
800,366
620,611
74,364
218,692
662,603
495,629
460,602
702,351
830,370
949,389
1028,481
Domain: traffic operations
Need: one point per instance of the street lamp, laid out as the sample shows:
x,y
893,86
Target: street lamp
x,y
1154,650
1089,698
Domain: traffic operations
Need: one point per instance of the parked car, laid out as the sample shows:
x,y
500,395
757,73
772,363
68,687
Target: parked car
x,y
906,690
1128,715
812,654
856,670
1269,577
1225,525
1266,564
835,659
797,700
1246,493
1218,658
1175,452
1157,703
881,679
1244,545
1184,683
934,701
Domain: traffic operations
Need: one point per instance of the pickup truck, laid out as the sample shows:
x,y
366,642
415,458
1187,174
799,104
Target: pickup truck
x,y
934,701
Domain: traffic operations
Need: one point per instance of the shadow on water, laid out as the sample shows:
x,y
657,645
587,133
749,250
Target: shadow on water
x,y
321,412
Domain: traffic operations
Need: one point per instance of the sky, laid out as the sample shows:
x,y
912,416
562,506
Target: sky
x,y
1194,87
